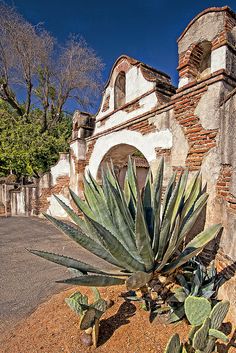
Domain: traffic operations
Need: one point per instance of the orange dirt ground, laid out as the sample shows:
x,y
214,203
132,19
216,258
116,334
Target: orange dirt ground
x,y
125,327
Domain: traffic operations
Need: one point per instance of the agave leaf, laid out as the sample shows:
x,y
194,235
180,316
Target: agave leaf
x,y
132,180
129,218
163,239
178,297
192,195
68,262
95,184
82,205
137,280
147,205
83,240
117,250
94,281
143,240
172,245
165,232
180,196
188,223
194,247
191,185
77,219
177,314
156,204
98,205
218,334
168,193
123,232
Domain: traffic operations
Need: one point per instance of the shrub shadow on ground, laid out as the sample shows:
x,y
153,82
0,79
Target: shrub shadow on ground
x,y
108,326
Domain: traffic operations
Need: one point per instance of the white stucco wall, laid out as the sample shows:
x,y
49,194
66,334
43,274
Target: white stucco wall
x,y
218,59
144,143
146,103
55,209
62,168
136,86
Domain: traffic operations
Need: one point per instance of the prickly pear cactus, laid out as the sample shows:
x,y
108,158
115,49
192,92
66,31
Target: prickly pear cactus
x,y
174,346
218,314
197,310
201,335
204,334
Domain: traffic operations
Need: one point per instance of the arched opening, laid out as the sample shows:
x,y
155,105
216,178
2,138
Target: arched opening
x,y
200,60
119,155
205,62
119,90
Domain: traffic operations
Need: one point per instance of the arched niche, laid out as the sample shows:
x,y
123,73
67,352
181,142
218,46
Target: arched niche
x,y
200,60
119,90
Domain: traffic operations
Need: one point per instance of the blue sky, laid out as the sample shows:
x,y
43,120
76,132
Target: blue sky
x,y
145,30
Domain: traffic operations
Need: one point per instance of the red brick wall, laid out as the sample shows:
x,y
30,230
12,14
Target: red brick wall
x,y
223,185
41,204
199,139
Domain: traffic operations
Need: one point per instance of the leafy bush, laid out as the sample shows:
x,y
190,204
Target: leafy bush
x,y
90,314
138,233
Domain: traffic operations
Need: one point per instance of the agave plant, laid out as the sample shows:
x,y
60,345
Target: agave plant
x,y
141,233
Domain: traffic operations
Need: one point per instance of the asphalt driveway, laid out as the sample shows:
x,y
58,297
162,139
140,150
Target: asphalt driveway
x,y
25,279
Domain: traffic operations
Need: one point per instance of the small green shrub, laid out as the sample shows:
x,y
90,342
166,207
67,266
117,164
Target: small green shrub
x,y
90,314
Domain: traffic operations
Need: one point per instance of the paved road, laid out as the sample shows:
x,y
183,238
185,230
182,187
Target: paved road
x,y
25,279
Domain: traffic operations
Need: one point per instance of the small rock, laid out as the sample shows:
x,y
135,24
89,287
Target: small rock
x,y
110,303
86,339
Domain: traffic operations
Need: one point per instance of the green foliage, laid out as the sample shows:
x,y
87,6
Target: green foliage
x,y
203,335
24,149
197,309
132,230
90,314
195,280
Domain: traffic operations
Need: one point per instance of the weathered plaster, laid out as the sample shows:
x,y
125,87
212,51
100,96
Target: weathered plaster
x,y
55,209
204,28
183,81
62,168
136,86
180,147
208,108
218,59
119,117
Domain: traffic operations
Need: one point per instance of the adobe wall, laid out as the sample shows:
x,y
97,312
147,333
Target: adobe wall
x,y
193,128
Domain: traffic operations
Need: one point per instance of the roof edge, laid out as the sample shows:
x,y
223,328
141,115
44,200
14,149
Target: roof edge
x,y
210,9
134,62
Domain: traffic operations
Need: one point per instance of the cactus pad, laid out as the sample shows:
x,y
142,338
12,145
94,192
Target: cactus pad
x,y
197,310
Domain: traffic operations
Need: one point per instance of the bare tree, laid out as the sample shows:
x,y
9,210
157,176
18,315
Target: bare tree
x,y
50,75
